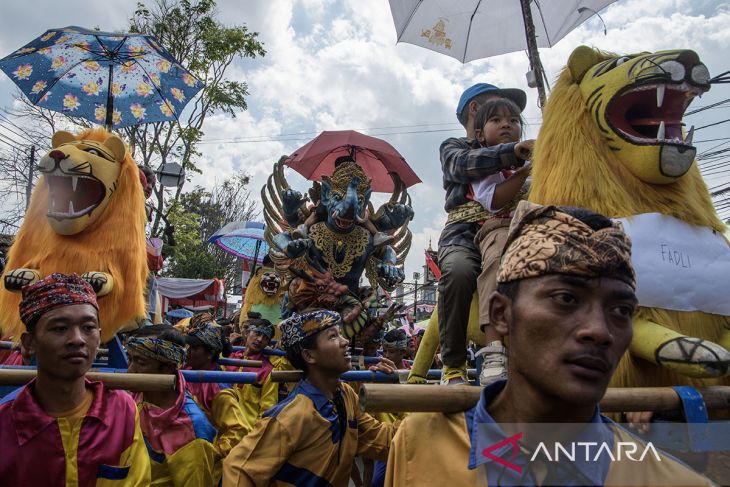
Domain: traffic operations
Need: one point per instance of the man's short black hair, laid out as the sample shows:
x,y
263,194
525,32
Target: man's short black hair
x,y
294,354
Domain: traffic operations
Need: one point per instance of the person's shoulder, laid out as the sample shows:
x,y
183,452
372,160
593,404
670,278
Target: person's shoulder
x,y
292,405
117,400
463,141
644,464
201,425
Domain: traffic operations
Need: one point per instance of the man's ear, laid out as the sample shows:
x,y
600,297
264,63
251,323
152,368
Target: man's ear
x,y
473,107
28,342
308,357
478,135
500,313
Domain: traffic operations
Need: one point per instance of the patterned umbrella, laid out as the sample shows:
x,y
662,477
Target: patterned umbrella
x,y
242,239
115,78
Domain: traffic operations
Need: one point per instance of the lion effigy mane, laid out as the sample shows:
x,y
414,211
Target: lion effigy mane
x,y
113,243
585,158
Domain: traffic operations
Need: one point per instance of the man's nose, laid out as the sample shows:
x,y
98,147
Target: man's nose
x,y
75,336
595,327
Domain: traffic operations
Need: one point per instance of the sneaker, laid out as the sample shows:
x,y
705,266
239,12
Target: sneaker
x,y
451,376
494,365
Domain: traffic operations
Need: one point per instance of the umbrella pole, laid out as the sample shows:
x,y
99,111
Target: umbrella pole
x,y
255,258
532,52
109,100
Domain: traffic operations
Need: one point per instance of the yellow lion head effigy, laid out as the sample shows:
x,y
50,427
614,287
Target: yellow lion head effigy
x,y
87,216
612,137
612,140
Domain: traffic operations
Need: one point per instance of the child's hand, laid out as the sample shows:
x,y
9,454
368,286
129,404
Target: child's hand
x,y
523,149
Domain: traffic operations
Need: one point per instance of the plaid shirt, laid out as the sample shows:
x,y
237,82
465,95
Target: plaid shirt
x,y
464,161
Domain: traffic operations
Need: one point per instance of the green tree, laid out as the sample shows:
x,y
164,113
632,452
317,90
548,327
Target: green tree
x,y
206,48
196,216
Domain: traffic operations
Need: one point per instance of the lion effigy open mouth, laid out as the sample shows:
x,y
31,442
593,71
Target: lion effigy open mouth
x,y
651,112
73,196
270,285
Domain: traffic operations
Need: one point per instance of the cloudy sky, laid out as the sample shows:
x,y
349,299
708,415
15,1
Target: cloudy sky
x,y
335,65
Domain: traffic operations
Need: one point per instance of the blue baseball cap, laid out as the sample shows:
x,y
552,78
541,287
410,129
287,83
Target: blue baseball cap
x,y
516,95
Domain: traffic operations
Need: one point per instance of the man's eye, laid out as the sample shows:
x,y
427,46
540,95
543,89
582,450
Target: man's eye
x,y
564,298
624,311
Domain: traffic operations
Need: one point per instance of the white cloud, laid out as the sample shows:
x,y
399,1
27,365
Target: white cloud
x,y
335,65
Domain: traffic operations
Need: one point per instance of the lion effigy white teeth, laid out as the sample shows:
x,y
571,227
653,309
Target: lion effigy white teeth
x,y
74,182
690,135
661,132
70,207
660,95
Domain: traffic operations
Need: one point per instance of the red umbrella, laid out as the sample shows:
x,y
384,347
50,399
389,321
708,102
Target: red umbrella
x,y
376,157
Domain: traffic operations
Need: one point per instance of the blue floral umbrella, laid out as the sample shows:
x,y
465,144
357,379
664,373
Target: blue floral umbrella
x,y
243,239
105,77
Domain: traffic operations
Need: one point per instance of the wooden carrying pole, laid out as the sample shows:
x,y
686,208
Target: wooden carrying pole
x,y
377,398
129,382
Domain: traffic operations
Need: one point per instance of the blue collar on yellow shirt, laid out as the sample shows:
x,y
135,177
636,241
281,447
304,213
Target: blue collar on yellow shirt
x,y
484,432
325,407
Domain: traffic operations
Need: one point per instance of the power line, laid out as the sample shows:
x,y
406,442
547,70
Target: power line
x,y
22,137
707,107
712,124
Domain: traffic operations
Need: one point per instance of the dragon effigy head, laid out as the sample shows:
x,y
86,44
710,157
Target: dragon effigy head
x,y
81,175
346,195
637,102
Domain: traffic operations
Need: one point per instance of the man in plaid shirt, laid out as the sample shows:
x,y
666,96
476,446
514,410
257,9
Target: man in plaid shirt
x,y
462,162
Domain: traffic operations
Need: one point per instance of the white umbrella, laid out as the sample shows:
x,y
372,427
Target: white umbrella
x,y
476,29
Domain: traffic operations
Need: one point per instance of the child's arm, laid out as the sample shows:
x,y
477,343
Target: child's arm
x,y
464,165
505,191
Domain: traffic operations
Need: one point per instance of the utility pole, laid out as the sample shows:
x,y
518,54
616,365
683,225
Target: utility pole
x,y
416,277
29,185
532,52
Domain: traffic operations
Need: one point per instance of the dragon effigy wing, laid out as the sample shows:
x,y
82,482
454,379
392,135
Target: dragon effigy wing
x,y
402,235
273,207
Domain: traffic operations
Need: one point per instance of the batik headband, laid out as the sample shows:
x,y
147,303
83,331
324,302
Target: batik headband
x,y
400,341
545,240
300,326
262,326
157,349
211,335
51,292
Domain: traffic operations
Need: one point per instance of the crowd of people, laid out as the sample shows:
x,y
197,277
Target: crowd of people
x,y
556,294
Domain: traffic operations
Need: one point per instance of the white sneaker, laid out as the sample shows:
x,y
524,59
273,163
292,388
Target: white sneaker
x,y
494,366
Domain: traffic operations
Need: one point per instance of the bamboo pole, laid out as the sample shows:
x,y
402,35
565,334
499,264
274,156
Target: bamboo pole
x,y
376,398
239,362
129,382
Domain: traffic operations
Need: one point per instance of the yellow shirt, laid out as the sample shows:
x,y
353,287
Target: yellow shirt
x,y
301,441
436,449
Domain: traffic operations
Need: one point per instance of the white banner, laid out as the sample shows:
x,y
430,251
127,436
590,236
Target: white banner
x,y
679,266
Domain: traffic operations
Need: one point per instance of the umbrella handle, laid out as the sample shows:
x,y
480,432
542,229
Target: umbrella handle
x,y
109,100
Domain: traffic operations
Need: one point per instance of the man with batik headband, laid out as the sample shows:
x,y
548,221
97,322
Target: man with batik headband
x,y
61,429
220,402
263,394
564,301
312,437
395,346
178,435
